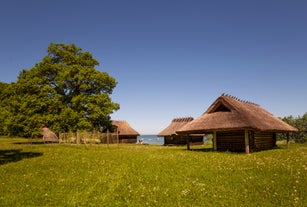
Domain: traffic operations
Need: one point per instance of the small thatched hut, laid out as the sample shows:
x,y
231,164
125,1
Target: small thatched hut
x,y
48,135
126,133
238,125
172,138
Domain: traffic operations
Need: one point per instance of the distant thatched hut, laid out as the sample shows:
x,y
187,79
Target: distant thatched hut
x,y
172,138
48,135
238,125
126,133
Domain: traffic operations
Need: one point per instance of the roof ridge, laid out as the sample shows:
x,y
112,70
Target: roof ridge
x,y
238,99
183,119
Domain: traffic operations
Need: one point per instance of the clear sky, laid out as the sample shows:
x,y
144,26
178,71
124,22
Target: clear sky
x,y
171,58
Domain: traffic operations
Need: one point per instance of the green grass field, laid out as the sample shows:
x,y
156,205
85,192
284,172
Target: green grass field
x,y
147,175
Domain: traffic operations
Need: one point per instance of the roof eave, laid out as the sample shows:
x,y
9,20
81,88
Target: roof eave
x,y
208,131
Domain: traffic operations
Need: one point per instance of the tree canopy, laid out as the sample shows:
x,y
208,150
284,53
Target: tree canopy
x,y
300,123
64,91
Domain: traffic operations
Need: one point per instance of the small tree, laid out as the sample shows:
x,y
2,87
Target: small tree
x,y
63,91
300,123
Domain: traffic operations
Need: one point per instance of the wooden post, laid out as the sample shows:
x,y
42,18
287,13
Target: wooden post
x,y
288,139
77,134
214,141
117,138
97,138
85,136
108,138
188,142
246,138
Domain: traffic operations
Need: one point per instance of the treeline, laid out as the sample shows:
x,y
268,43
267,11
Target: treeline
x,y
64,91
300,123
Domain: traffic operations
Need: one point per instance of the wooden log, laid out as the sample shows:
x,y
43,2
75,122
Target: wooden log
x,y
117,138
108,140
85,136
264,140
188,142
214,141
246,142
78,138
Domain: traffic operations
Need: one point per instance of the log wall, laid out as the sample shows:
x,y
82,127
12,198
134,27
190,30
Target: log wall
x,y
264,140
182,140
234,140
230,141
127,139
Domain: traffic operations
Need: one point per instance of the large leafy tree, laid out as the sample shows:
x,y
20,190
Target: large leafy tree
x,y
64,91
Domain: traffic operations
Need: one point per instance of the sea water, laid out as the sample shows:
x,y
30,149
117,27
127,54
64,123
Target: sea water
x,y
154,139
151,139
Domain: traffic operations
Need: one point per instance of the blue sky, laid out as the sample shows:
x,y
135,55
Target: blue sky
x,y
171,58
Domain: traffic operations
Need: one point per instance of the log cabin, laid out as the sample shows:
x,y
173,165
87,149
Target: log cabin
x,y
172,138
238,125
126,133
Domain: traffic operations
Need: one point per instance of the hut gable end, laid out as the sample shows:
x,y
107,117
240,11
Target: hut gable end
x,y
220,108
221,105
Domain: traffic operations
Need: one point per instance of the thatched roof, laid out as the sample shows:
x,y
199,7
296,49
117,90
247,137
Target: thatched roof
x,y
124,128
230,113
48,135
174,126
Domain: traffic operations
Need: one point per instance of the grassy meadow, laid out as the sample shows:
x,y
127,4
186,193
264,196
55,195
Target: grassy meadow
x,y
40,174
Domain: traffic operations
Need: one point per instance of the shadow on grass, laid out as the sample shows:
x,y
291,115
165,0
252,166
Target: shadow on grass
x,y
7,156
202,150
36,141
29,143
236,151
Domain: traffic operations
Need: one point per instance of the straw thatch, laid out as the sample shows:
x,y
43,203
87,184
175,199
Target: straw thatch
x,y
126,133
48,135
172,138
174,126
124,128
231,113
